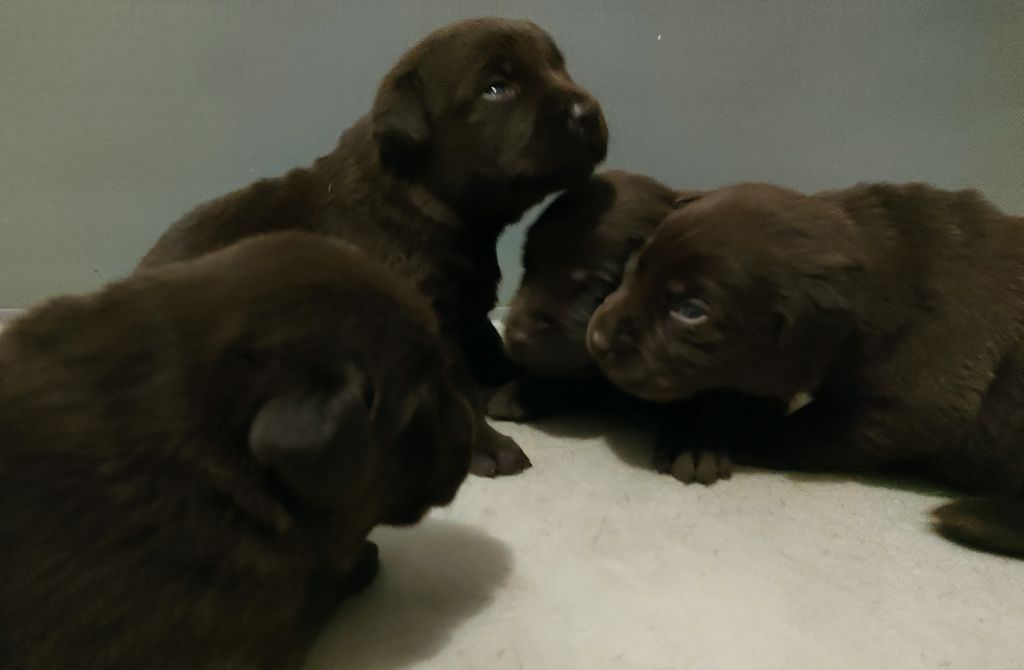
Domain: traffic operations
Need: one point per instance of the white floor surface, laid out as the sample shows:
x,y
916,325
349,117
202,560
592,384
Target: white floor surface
x,y
591,561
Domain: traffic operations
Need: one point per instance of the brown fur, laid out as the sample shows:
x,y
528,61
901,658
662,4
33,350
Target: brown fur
x,y
191,459
573,257
900,307
427,180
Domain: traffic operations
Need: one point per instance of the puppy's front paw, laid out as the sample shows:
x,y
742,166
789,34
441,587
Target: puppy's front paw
x,y
705,467
495,455
688,464
506,404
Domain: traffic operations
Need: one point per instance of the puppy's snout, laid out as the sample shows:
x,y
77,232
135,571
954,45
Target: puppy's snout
x,y
584,116
529,327
617,339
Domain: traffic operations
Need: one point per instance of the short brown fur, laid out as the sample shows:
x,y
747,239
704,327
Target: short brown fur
x,y
573,257
899,307
427,180
191,459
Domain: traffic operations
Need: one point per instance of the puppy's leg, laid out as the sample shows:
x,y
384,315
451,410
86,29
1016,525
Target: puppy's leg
x,y
696,437
838,435
485,355
494,454
531,398
989,459
988,524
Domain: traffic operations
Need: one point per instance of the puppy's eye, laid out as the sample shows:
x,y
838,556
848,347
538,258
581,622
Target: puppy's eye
x,y
691,312
499,91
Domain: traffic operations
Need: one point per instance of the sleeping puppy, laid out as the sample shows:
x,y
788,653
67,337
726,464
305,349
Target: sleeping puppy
x,y
191,460
573,257
472,126
899,308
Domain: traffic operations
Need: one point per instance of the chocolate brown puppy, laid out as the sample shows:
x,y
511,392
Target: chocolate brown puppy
x,y
573,257
472,126
899,308
191,459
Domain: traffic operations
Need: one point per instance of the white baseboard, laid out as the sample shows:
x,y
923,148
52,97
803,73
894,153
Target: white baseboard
x,y
9,313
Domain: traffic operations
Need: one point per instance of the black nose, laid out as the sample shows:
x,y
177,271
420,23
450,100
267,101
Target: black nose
x,y
584,116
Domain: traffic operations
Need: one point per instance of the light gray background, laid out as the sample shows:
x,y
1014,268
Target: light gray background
x,y
118,116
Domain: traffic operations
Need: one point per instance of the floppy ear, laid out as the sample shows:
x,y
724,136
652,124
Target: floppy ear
x,y
399,121
316,441
817,293
684,198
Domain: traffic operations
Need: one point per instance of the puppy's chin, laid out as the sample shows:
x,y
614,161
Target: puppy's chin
x,y
648,385
406,516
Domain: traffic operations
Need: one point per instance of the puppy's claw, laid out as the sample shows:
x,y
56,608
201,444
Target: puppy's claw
x,y
496,455
705,467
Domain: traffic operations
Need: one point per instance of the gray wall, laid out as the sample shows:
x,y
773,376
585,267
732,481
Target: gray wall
x,y
117,116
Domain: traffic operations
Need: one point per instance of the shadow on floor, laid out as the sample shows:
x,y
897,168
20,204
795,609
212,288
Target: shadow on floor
x,y
630,433
433,577
629,430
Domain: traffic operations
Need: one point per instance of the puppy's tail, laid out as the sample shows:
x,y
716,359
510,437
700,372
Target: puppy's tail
x,y
988,524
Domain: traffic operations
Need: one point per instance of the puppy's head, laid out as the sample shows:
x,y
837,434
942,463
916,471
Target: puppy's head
x,y
573,258
485,115
328,369
748,288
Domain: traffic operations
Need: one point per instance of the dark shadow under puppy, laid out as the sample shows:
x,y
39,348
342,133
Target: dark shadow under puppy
x,y
191,460
899,308
471,127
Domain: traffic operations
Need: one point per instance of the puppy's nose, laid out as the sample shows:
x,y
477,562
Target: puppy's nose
x,y
618,340
599,342
529,327
584,116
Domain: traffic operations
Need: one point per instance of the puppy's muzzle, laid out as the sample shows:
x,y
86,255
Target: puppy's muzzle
x,y
612,342
528,329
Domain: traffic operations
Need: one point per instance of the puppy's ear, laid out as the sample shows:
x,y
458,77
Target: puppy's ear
x,y
399,121
684,198
817,294
316,441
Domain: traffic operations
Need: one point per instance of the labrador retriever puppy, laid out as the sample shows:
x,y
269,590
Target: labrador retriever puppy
x,y
472,126
573,257
898,308
191,459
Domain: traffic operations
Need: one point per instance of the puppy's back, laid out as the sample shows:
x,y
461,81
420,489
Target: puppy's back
x,y
137,529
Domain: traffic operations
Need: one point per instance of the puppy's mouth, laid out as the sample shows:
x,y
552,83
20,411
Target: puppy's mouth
x,y
648,385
